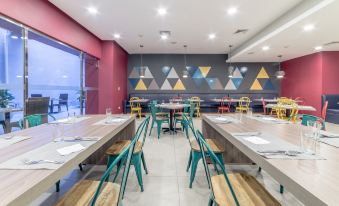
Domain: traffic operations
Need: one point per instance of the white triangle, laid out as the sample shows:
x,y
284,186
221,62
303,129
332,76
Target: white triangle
x,y
237,73
166,85
153,85
134,73
172,74
230,85
148,73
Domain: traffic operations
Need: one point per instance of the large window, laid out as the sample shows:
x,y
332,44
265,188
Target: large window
x,y
11,68
54,71
67,77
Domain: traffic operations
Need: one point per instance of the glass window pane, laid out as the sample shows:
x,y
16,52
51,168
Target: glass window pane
x,y
11,70
91,84
54,72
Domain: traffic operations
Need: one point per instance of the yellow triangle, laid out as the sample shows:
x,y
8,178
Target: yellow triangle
x,y
179,85
256,85
141,85
204,70
263,74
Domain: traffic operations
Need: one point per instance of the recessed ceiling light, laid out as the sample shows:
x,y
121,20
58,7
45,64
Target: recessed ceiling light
x,y
211,36
164,34
92,10
162,11
116,36
317,48
265,48
14,37
232,11
308,27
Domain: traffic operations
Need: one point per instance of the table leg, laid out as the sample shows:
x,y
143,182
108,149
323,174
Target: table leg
x,y
8,122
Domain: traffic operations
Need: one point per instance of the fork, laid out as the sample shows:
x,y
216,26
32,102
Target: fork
x,y
32,162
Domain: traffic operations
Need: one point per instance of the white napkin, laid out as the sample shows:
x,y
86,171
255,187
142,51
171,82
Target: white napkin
x,y
76,138
222,119
256,140
329,134
245,134
70,149
9,140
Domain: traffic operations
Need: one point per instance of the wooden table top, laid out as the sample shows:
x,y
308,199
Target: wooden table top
x,y
314,182
20,187
173,105
225,100
300,107
139,100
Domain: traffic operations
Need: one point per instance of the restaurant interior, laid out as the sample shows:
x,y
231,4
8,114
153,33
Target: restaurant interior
x,y
166,103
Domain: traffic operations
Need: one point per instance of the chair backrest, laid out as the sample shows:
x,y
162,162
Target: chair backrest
x,y
134,104
37,105
125,156
203,147
307,117
263,104
63,97
244,102
324,110
189,123
153,111
191,109
145,129
196,100
36,95
33,120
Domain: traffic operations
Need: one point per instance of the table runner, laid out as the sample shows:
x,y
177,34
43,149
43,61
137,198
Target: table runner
x,y
274,148
45,152
222,119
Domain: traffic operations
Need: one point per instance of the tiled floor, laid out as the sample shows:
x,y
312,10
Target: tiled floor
x,y
167,181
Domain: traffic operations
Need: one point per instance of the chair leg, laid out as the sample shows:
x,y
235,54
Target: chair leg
x,y
196,156
158,129
152,125
57,186
189,161
259,170
144,162
210,202
80,167
281,189
136,159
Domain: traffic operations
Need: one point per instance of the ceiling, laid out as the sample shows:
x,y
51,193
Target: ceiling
x,y
191,21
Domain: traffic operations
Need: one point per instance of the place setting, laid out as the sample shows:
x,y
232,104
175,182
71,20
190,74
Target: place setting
x,y
12,138
111,119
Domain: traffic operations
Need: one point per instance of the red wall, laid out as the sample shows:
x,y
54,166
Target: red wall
x,y
330,72
112,77
304,79
46,18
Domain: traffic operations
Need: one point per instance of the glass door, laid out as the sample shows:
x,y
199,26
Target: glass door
x,y
90,88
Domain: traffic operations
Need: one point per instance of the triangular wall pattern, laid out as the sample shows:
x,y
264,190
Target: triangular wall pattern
x,y
166,70
141,85
166,85
153,85
263,74
214,83
197,74
133,82
269,85
204,71
237,73
134,73
179,85
256,85
148,73
230,85
191,70
237,82
172,74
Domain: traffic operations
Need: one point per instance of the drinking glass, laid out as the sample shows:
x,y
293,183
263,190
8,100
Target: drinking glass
x,y
310,137
108,114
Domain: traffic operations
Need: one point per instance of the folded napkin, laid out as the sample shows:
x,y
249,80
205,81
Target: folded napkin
x,y
76,138
223,119
329,134
256,140
245,134
70,149
8,140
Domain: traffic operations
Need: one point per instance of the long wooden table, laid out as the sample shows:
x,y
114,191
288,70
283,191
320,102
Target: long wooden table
x,y
314,182
20,187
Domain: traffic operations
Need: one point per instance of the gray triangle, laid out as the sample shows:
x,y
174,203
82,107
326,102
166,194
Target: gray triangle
x,y
153,85
148,73
166,85
134,73
230,85
172,74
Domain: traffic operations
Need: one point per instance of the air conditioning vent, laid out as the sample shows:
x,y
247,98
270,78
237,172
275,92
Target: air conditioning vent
x,y
331,43
240,31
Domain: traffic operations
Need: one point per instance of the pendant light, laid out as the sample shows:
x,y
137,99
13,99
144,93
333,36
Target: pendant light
x,y
280,74
141,68
185,72
230,67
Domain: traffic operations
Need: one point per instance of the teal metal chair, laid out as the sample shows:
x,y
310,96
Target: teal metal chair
x,y
92,192
33,120
138,155
178,118
195,153
232,188
158,119
306,117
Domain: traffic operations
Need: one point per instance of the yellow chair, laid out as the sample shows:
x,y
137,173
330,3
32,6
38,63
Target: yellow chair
x,y
280,99
283,106
244,104
135,106
196,101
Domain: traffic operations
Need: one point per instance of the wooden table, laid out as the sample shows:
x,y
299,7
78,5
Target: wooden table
x,y
20,187
300,107
7,112
314,182
226,100
139,101
172,107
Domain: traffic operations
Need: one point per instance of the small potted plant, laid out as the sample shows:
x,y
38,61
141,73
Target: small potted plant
x,y
5,98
